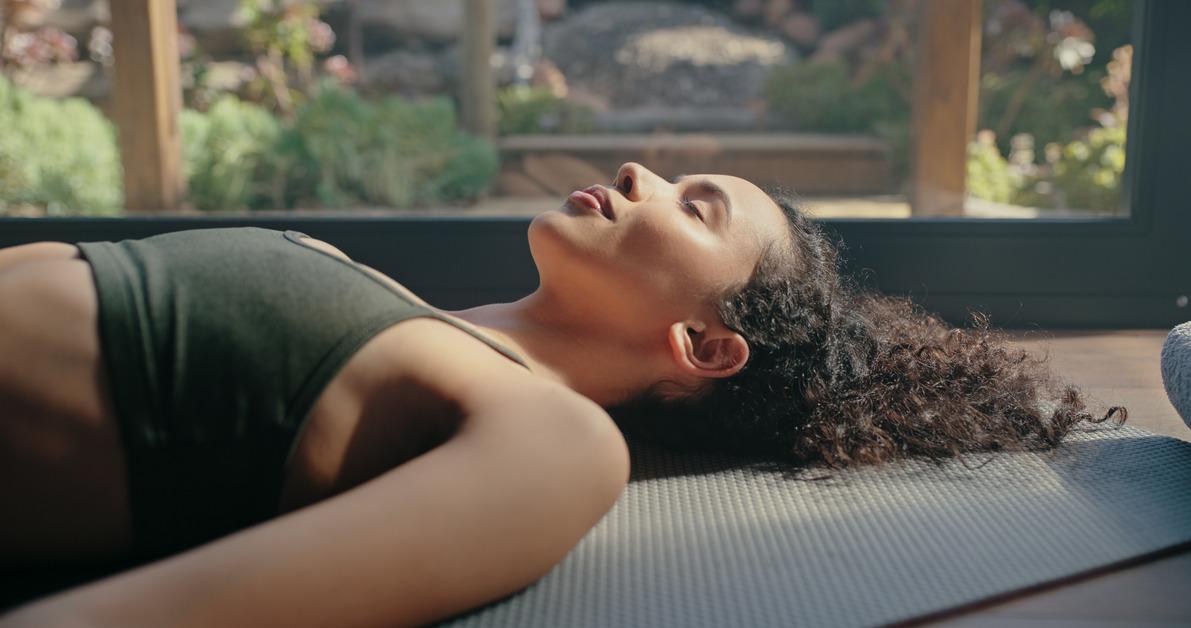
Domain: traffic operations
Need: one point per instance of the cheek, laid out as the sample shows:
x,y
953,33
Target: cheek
x,y
651,260
677,261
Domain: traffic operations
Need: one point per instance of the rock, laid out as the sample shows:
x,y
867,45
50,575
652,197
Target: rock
x,y
407,72
661,54
560,174
386,23
513,183
802,29
845,39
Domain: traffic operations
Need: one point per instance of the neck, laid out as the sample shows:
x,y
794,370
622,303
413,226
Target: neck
x,y
593,357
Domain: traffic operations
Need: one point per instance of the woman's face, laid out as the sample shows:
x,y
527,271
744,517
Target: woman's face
x,y
648,248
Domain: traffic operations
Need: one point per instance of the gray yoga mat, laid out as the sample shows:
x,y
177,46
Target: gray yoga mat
x,y
699,540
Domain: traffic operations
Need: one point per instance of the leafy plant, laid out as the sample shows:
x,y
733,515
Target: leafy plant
x,y
285,35
58,156
537,110
338,150
1053,110
821,96
24,43
1083,174
229,154
469,169
325,147
989,175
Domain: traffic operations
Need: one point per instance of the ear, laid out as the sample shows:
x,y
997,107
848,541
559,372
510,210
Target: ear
x,y
704,352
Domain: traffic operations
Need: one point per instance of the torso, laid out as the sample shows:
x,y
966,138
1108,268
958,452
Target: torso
x,y
405,391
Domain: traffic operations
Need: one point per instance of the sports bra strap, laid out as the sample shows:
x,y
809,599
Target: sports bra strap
x,y
293,236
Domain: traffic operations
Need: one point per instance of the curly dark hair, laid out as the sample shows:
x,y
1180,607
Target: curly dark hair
x,y
839,375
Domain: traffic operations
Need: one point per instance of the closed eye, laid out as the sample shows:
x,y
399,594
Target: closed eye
x,y
691,207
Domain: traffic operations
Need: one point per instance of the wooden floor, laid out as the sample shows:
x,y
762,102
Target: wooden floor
x,y
1112,368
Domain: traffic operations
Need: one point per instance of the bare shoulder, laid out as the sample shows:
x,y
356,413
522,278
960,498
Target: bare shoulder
x,y
507,406
552,424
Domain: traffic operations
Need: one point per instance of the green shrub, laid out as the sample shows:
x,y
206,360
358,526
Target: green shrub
x,y
324,149
423,142
229,155
339,150
471,166
1089,171
524,110
989,175
345,150
59,155
1083,174
819,96
1052,110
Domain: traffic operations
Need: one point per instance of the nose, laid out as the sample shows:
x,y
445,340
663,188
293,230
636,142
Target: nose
x,y
636,181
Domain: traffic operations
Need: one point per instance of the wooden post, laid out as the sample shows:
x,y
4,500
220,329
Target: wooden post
x,y
146,96
946,89
477,93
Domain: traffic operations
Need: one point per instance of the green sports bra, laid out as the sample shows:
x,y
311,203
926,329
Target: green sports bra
x,y
217,343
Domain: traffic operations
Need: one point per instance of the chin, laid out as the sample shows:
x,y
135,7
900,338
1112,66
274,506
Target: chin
x,y
556,234
569,252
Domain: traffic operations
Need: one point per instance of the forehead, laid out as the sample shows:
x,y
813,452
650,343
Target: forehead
x,y
749,203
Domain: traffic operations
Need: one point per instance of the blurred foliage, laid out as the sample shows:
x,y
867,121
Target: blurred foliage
x,y
523,110
339,150
1051,111
1041,63
989,174
821,96
1054,73
56,156
228,156
1082,174
285,36
61,156
472,164
25,43
1110,20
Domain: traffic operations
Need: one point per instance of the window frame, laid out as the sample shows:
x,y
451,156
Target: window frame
x,y
1053,273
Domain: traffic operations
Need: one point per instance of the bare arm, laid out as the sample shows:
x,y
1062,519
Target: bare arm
x,y
477,518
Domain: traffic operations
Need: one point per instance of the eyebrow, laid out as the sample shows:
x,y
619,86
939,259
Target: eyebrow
x,y
715,189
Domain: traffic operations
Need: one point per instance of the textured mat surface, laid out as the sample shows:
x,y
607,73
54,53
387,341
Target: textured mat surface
x,y
698,540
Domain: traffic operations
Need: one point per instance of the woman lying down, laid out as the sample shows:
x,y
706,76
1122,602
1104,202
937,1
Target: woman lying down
x,y
280,436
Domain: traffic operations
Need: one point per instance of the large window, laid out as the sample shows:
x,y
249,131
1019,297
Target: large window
x,y
1029,143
